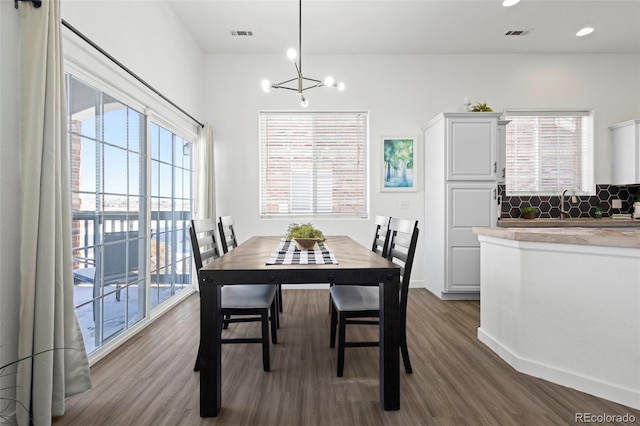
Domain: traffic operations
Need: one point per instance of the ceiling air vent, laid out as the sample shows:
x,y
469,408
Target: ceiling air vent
x,y
242,33
517,32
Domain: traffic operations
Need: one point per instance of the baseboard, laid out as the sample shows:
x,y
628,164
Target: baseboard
x,y
460,296
582,383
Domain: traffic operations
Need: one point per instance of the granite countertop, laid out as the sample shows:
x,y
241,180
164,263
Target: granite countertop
x,y
585,222
610,237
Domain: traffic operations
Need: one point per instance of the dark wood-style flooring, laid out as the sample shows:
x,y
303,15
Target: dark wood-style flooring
x,y
456,380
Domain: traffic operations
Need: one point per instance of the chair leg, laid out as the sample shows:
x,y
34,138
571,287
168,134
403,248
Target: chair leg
x,y
265,339
405,354
196,367
274,322
341,342
225,324
280,297
278,309
334,324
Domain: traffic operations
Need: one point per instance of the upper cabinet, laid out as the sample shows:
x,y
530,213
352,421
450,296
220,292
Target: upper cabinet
x,y
501,154
471,146
625,152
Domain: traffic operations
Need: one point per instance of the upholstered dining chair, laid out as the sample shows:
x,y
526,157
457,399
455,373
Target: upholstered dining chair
x,y
239,303
227,233
379,246
354,304
229,242
380,235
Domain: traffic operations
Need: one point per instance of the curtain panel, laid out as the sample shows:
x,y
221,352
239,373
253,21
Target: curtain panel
x,y
49,336
204,182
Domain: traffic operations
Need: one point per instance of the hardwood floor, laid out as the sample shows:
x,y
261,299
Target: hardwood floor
x,y
456,379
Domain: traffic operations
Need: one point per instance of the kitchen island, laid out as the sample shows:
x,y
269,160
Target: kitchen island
x,y
563,304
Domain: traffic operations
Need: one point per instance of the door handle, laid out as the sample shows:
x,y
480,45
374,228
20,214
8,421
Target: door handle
x,y
495,167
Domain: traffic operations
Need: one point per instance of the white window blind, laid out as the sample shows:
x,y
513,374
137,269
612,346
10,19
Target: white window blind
x,y
549,151
313,164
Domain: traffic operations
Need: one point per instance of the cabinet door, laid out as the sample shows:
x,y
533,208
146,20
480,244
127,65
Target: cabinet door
x,y
501,150
625,153
471,149
470,204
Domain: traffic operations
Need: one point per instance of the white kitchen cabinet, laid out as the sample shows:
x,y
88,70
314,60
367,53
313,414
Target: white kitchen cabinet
x,y
501,156
471,145
625,152
470,204
461,171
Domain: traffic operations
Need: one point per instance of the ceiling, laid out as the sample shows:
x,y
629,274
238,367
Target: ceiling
x,y
411,27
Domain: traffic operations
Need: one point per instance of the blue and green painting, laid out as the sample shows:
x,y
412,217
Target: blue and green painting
x,y
398,163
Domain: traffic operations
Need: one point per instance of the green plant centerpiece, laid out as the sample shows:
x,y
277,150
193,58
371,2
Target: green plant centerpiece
x,y
305,235
481,107
529,212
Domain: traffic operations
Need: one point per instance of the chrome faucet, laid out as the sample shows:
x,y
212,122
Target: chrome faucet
x,y
572,200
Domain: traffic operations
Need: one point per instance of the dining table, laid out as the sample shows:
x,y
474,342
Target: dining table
x,y
249,263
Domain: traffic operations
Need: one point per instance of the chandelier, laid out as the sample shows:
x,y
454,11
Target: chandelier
x,y
297,83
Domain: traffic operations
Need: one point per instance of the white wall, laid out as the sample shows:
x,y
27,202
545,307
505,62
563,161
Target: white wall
x,y
401,93
149,39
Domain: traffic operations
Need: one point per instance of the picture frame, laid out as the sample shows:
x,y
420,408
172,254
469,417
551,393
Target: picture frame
x,y
399,155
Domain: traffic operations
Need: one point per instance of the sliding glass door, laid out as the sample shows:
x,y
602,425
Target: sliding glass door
x,y
129,242
170,214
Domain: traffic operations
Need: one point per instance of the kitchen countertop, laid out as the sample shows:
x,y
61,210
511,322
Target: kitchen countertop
x,y
585,222
611,237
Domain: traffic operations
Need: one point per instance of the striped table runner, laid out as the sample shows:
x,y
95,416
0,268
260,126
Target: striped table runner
x,y
288,253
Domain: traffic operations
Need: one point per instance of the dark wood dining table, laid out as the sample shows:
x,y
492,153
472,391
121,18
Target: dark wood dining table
x,y
247,265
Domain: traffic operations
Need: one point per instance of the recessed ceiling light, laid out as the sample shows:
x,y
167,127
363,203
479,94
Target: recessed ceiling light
x,y
585,31
507,3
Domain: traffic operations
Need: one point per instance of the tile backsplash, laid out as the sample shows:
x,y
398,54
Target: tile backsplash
x,y
549,206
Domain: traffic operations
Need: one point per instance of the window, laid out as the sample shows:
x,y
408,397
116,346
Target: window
x,y
108,158
313,164
549,151
117,279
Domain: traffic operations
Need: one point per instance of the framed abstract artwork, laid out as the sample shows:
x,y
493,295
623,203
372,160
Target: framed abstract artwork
x,y
399,161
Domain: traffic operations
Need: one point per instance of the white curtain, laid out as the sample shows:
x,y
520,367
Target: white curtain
x,y
48,322
204,182
205,191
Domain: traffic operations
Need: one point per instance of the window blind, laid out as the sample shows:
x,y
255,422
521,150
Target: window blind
x,y
548,151
313,164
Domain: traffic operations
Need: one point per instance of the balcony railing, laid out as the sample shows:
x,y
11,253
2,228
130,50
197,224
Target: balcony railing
x,y
165,253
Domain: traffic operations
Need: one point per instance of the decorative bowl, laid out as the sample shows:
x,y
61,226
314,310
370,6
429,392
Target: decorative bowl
x,y
306,243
